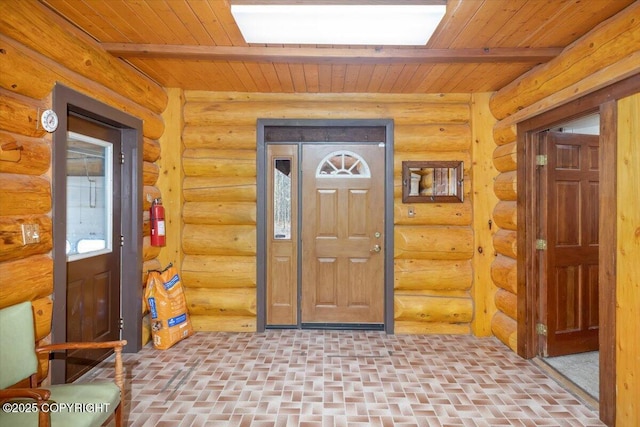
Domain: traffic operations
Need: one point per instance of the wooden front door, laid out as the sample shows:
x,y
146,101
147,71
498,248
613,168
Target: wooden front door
x,y
93,240
570,204
342,234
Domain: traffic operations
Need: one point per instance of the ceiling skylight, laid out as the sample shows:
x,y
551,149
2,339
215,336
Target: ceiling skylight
x,y
348,24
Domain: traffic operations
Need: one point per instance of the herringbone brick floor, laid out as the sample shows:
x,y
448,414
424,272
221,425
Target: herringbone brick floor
x,y
342,378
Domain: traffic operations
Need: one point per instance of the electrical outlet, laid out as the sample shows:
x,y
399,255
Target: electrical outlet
x,y
30,234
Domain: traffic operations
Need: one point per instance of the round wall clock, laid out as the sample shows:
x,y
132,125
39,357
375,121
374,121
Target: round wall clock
x,y
49,120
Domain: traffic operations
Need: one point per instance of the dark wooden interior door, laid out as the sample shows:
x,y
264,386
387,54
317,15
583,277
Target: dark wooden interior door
x,y
342,234
93,278
571,258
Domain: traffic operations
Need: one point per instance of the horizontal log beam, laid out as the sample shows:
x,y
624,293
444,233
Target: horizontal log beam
x,y
608,43
432,137
221,302
150,173
607,76
417,328
20,114
44,73
223,323
506,186
505,157
12,246
220,155
414,275
150,150
35,26
203,162
415,308
211,189
504,273
433,213
30,278
220,137
219,213
415,112
505,329
23,155
228,240
149,252
505,243
332,55
24,195
204,271
507,302
433,242
505,215
504,132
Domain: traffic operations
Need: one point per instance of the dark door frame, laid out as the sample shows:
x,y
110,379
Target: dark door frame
x,y
261,220
603,101
67,100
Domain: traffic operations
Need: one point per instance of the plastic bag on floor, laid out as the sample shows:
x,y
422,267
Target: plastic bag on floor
x,y
168,308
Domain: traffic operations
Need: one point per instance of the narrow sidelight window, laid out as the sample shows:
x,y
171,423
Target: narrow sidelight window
x,y
282,199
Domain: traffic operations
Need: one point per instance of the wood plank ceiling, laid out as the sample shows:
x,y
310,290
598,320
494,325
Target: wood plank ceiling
x,y
480,46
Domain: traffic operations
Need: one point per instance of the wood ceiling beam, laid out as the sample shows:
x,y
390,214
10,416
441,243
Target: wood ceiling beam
x,y
342,2
381,55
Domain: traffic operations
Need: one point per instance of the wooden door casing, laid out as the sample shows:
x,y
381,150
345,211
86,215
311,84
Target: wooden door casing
x,y
570,262
342,239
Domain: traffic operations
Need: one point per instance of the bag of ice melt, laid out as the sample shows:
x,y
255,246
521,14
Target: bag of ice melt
x,y
168,308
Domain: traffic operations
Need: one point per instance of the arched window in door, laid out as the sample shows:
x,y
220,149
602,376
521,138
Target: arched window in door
x,y
343,164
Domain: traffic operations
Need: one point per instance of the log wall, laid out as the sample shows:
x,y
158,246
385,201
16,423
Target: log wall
x,y
434,249
37,51
608,54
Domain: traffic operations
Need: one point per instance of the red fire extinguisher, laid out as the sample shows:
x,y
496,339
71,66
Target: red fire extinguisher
x,y
158,231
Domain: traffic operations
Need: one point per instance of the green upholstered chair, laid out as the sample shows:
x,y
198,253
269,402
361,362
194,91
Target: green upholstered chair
x,y
69,405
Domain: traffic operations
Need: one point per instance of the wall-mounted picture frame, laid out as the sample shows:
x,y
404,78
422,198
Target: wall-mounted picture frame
x,y
432,182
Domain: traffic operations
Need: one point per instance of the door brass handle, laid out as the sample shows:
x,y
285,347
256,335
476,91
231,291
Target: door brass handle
x,y
376,248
